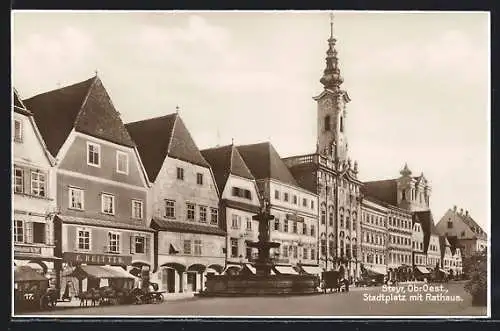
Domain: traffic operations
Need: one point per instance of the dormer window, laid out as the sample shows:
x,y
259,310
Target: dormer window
x,y
450,225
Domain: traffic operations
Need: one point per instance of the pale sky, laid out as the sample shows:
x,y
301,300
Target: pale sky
x,y
419,82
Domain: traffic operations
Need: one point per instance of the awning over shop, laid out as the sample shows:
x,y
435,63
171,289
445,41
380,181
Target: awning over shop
x,y
251,268
285,270
312,270
443,271
376,270
97,271
27,274
232,268
423,270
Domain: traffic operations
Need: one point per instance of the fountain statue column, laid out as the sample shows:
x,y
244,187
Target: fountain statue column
x,y
263,263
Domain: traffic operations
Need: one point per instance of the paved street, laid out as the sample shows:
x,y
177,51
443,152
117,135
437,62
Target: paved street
x,y
335,304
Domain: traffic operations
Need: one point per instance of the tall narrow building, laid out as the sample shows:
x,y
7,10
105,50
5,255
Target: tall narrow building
x,y
332,175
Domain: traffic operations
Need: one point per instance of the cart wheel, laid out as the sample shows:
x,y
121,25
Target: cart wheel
x,y
159,298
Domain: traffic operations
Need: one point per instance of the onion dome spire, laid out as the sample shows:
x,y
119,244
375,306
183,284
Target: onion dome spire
x,y
331,75
405,171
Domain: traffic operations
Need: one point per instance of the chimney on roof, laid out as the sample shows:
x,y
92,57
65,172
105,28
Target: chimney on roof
x,y
454,208
466,213
461,211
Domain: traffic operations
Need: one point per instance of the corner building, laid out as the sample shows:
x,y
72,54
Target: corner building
x,y
331,174
101,184
183,204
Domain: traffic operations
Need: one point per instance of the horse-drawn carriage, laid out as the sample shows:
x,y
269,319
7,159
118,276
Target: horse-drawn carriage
x,y
333,281
32,291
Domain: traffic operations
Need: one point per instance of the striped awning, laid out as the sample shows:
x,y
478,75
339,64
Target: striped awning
x,y
97,271
287,270
312,270
423,270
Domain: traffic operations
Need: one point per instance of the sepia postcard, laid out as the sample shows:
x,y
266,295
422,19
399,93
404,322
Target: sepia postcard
x,y
285,164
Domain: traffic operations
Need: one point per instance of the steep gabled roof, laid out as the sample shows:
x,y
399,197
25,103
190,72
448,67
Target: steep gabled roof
x,y
474,227
264,162
384,190
85,107
159,137
428,227
19,107
224,161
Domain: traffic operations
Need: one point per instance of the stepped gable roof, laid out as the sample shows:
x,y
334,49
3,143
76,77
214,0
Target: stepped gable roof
x,y
159,137
383,190
19,106
224,161
85,107
264,162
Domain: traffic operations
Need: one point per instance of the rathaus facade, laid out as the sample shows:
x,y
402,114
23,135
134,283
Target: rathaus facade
x,y
330,172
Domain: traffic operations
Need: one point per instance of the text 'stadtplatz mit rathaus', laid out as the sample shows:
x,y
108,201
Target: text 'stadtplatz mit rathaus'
x,y
92,192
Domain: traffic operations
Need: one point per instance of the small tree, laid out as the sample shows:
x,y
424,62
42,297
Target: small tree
x,y
476,269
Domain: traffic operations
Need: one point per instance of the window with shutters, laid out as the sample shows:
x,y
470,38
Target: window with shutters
x,y
139,244
38,184
18,180
180,173
18,231
83,239
203,214
197,247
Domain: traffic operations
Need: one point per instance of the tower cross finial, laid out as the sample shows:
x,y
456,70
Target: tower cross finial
x,y
331,25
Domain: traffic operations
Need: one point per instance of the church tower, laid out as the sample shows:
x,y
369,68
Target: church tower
x,y
332,112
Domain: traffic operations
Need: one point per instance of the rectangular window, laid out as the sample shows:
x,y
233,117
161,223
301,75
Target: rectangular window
x,y
294,199
295,252
249,224
304,202
203,214
83,238
285,227
234,247
197,247
313,254
304,228
313,233
18,231
331,248
93,154
122,162
285,197
137,209
18,131
450,225
330,220
323,247
170,208
249,253
241,193
180,173
235,222
248,195
18,180
295,228
75,198
323,216
108,204
276,224
140,245
114,242
312,204
39,233
199,179
38,184
190,211
276,194
214,216
285,251
187,247
305,253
